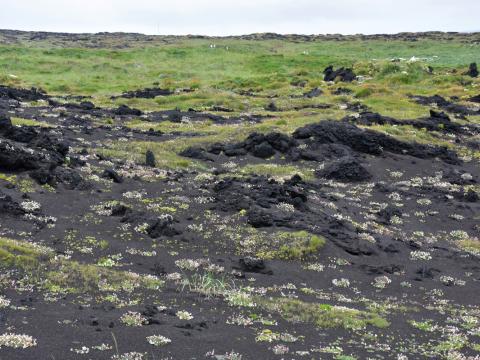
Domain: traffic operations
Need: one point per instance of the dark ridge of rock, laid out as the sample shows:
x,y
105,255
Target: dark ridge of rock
x,y
18,158
276,141
342,74
147,93
438,121
347,169
472,70
475,99
313,93
444,104
220,109
369,141
32,94
195,152
382,269
84,105
356,107
125,110
342,91
258,192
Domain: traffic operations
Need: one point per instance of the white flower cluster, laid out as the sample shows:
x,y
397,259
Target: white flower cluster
x,y
420,255
459,235
133,318
280,349
184,315
341,282
142,228
17,341
82,351
4,302
315,267
30,206
286,207
158,340
129,356
381,282
133,195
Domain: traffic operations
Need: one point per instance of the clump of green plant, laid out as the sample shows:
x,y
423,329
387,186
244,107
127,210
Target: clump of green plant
x,y
323,315
293,246
470,245
21,254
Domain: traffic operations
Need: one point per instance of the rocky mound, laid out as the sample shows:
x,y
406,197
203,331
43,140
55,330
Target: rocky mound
x,y
32,94
347,169
27,148
323,141
368,141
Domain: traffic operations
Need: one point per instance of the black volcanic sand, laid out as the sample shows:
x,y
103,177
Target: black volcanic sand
x,y
381,204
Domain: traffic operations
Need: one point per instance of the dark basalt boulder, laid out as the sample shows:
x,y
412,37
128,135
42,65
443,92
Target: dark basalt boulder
x,y
253,265
259,218
472,70
126,110
385,215
263,150
8,206
342,91
313,93
162,227
150,159
342,74
112,175
16,158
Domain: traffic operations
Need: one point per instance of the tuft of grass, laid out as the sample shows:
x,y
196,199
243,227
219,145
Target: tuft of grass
x,y
29,122
276,171
207,284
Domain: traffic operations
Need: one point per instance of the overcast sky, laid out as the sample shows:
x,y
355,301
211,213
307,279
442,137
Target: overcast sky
x,y
234,17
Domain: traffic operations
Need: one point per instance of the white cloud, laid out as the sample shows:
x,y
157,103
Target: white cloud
x,y
223,17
